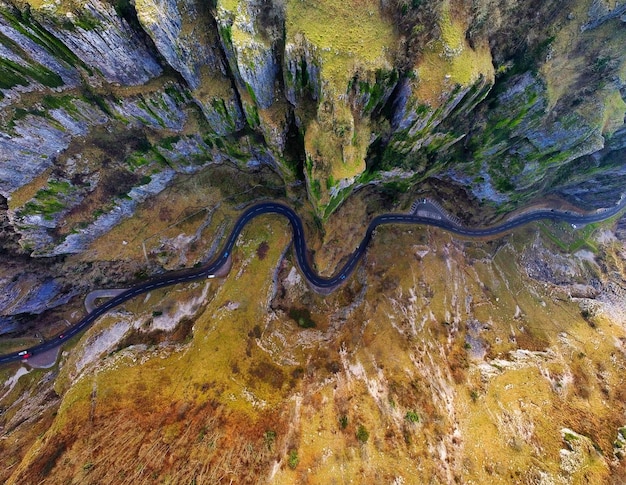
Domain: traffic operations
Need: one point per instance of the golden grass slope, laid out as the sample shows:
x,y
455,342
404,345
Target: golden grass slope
x,y
350,36
439,361
450,60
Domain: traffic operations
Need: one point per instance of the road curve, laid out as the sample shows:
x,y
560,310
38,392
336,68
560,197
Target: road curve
x,y
321,283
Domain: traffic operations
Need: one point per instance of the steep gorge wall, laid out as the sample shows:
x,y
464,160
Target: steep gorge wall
x,y
507,100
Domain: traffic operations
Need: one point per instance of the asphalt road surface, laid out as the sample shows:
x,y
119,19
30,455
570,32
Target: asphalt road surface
x,y
321,284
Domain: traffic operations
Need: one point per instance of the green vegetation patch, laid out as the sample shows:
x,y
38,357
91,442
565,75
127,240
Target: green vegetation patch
x,y
384,81
26,25
412,417
48,201
336,201
302,316
177,94
451,61
346,34
59,102
362,434
86,21
293,459
14,74
13,345
568,239
219,106
169,142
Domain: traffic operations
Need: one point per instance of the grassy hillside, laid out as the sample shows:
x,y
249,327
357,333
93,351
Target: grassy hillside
x,y
439,360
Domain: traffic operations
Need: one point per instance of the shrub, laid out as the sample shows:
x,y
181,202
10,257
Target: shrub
x,y
343,421
412,417
293,459
269,437
302,316
362,434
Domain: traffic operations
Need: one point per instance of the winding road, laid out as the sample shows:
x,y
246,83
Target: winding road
x,y
321,284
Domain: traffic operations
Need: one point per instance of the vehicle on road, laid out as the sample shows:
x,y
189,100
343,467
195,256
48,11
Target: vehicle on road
x,y
323,284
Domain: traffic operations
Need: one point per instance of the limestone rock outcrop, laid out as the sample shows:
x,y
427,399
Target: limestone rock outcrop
x,y
336,94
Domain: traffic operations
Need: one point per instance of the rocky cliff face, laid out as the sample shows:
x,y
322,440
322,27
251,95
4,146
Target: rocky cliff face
x,y
506,104
340,95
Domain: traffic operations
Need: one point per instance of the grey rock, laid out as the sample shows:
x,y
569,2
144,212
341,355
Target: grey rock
x,y
8,325
224,115
183,33
29,152
112,47
78,242
157,109
258,69
28,53
601,190
38,297
33,144
599,13
620,229
251,57
187,52
301,70
416,125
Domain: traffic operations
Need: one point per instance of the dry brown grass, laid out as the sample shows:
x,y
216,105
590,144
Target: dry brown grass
x,y
252,388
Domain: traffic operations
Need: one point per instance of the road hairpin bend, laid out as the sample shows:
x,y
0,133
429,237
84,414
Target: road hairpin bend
x,y
321,284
